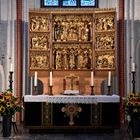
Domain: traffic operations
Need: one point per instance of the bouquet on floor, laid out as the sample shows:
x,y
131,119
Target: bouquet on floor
x,y
132,104
9,104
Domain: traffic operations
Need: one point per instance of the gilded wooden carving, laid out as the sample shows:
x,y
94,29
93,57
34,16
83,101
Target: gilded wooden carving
x,y
39,23
39,42
104,22
105,41
72,27
39,60
72,39
72,56
105,60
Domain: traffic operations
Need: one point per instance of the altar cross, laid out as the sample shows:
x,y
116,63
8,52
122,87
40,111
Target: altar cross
x,y
72,77
71,110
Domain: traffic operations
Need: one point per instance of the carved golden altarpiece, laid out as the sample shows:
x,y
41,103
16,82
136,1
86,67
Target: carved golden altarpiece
x,y
70,41
71,44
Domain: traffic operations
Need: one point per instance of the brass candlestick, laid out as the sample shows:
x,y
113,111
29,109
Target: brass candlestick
x,y
35,90
51,90
92,90
109,90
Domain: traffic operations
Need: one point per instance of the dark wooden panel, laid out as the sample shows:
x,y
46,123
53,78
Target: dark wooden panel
x,y
110,114
102,115
33,114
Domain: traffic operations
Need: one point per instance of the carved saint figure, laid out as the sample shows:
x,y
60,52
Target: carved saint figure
x,y
58,60
72,59
65,58
57,31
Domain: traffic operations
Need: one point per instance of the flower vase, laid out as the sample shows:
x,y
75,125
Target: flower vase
x,y
136,127
6,126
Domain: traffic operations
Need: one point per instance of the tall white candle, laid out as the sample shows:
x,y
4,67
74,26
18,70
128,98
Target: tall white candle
x,y
31,85
35,79
109,78
133,67
92,82
50,78
11,67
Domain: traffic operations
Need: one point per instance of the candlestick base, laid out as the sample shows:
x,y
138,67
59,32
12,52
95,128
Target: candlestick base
x,y
50,90
35,90
92,90
109,90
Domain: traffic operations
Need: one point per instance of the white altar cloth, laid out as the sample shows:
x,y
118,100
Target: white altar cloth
x,y
88,99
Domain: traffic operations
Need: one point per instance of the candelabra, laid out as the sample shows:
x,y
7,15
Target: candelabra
x,y
51,90
11,88
109,90
11,80
35,90
92,90
133,81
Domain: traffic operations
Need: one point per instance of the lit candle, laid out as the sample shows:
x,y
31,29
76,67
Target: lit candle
x,y
133,67
11,67
92,82
35,79
50,78
109,78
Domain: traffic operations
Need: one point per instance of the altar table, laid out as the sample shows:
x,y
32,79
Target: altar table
x,y
71,111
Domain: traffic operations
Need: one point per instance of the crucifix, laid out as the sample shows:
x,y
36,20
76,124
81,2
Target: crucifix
x,y
71,110
72,77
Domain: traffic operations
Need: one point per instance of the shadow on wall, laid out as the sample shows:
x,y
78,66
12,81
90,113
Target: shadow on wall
x,y
39,87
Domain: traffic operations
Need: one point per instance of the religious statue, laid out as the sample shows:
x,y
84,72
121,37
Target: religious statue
x,y
72,59
58,60
72,31
57,31
64,30
80,59
65,59
85,32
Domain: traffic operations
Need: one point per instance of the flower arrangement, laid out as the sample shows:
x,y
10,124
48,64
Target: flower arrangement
x,y
9,104
132,104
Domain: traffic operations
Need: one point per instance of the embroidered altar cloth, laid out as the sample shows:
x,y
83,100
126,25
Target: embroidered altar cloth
x,y
88,99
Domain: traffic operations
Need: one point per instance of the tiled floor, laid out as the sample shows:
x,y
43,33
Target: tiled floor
x,y
23,134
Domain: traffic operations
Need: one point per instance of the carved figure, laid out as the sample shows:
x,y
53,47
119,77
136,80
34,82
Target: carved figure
x,y
105,61
85,32
58,60
85,61
65,59
80,59
35,24
72,31
105,42
44,24
57,31
64,31
39,42
72,59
